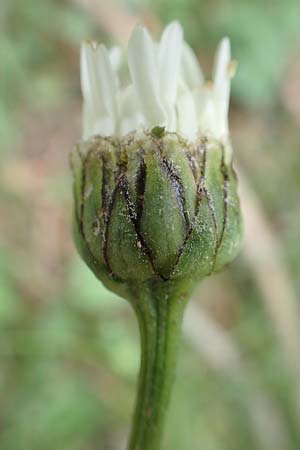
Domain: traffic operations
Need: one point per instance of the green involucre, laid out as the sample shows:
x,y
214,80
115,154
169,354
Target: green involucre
x,y
154,208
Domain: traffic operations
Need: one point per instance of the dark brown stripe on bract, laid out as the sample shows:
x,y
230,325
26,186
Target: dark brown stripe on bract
x,y
83,180
211,208
104,189
203,192
200,192
202,151
203,187
135,213
224,171
124,189
193,165
107,218
226,182
140,187
108,204
175,178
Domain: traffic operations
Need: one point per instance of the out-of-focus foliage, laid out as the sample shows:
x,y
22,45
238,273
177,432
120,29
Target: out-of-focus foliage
x,y
37,44
69,349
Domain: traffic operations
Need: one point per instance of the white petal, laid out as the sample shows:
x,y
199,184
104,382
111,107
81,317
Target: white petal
x,y
169,57
206,111
115,57
98,83
222,60
89,78
209,123
221,80
172,116
132,123
190,67
88,120
128,101
186,113
96,124
167,87
107,83
105,126
144,74
131,116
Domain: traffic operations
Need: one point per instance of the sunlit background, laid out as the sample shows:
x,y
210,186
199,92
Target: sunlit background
x,y
69,349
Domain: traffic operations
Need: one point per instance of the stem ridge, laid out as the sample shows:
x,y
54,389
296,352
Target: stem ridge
x,y
160,315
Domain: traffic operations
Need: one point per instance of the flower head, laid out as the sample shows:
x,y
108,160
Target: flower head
x,y
155,192
164,86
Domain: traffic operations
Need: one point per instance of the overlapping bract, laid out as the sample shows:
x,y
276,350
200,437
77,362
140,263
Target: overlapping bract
x,y
149,208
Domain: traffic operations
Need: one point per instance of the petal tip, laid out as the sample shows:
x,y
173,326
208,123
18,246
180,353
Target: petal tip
x,y
224,48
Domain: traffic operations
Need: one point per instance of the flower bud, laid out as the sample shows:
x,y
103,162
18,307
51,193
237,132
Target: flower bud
x,y
154,206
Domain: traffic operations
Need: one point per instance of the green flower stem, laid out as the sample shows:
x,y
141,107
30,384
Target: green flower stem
x,y
160,312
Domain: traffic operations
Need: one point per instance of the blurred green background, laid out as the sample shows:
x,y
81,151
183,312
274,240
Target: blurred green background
x,y
69,349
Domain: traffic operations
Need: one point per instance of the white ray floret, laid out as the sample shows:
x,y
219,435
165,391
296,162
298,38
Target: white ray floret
x,y
221,84
165,87
169,59
142,60
190,68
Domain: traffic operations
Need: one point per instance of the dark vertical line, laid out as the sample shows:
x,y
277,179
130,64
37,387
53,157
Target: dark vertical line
x,y
81,213
135,214
211,208
199,195
202,191
108,204
140,188
225,195
104,188
122,186
124,189
225,189
193,165
178,189
106,232
200,186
